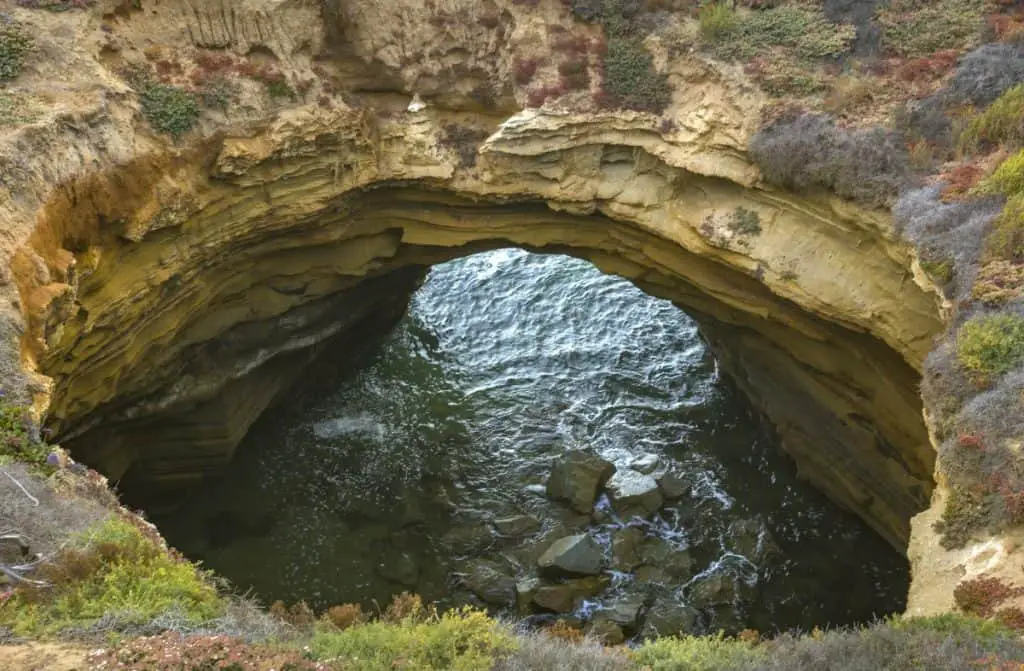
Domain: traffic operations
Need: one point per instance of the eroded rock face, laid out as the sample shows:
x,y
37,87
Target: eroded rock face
x,y
162,296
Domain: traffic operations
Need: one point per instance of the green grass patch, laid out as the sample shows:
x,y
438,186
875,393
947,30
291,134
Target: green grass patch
x,y
112,569
693,653
990,345
15,45
460,640
1001,124
911,28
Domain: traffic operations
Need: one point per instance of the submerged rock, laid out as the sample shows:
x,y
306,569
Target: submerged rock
x,y
634,494
645,463
491,583
577,478
673,485
516,525
572,556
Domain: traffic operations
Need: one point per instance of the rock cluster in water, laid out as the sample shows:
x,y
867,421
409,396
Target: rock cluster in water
x,y
609,567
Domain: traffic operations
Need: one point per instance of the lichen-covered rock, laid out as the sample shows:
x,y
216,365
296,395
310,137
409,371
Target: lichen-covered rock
x,y
577,477
573,556
634,494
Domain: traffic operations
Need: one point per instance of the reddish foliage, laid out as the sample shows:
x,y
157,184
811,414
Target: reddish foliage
x,y
980,596
928,67
961,179
971,440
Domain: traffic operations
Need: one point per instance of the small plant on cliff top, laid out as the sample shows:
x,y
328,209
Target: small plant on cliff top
x,y
991,344
111,570
169,109
15,45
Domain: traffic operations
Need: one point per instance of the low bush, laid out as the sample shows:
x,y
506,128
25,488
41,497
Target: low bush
x,y
462,640
112,568
630,79
911,28
1001,124
15,45
805,31
992,344
169,109
986,73
867,166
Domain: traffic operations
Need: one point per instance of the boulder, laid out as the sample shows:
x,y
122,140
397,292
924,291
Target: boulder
x,y
565,596
577,478
634,494
669,617
645,463
625,548
605,631
491,583
572,556
516,525
625,612
673,485
675,563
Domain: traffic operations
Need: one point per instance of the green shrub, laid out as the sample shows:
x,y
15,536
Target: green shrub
x,y
807,32
991,344
15,45
18,438
630,79
914,29
462,640
110,570
716,20
169,109
693,653
1002,123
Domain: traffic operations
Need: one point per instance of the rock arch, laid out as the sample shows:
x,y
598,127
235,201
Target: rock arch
x,y
171,298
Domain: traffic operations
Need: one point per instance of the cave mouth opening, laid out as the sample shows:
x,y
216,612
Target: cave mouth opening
x,y
424,470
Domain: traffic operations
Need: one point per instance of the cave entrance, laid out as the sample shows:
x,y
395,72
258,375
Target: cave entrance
x,y
423,468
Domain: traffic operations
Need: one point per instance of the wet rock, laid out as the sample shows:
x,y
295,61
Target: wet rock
x,y
645,463
400,566
577,477
572,556
491,583
751,539
468,538
605,631
675,563
525,591
673,485
565,596
624,612
633,494
625,548
715,589
517,525
668,617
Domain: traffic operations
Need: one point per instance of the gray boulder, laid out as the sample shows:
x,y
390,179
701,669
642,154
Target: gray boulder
x,y
634,494
572,556
491,583
577,477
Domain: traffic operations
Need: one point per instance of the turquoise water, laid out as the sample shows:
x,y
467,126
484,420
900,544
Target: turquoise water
x,y
391,480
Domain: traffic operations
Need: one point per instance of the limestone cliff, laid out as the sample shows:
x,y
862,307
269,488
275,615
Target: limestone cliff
x,y
166,293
